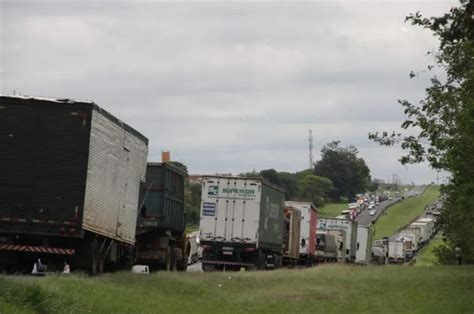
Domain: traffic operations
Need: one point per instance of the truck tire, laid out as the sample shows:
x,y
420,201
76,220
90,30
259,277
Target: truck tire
x,y
94,256
208,267
174,259
168,259
260,260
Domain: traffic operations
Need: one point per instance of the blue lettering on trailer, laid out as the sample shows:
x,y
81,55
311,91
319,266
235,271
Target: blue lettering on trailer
x,y
208,209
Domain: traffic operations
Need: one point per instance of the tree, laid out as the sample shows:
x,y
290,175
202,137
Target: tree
x,y
348,173
373,186
289,181
271,175
444,124
315,189
192,202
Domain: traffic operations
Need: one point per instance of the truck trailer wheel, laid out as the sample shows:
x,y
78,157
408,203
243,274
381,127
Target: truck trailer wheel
x,y
261,259
174,259
168,259
94,256
208,267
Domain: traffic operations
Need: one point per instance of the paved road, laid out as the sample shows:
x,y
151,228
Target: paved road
x,y
365,219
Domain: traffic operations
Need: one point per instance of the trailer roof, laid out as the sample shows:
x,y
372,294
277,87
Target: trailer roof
x,y
67,101
264,181
299,204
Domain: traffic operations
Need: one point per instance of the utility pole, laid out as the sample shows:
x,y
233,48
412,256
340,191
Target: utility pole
x,y
310,140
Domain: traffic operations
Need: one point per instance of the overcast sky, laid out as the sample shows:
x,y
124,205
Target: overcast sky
x,y
229,87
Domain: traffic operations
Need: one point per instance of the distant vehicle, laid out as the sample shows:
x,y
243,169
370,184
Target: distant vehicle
x,y
390,198
371,205
372,212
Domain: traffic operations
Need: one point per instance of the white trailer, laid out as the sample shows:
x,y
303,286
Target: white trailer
x,y
242,223
430,224
396,250
364,245
424,231
413,235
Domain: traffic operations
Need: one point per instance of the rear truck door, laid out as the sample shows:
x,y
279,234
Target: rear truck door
x,y
245,205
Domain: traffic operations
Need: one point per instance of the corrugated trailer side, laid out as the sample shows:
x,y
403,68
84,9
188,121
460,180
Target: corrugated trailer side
x,y
116,166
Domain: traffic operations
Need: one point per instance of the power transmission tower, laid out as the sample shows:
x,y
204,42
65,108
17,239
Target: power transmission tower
x,y
310,140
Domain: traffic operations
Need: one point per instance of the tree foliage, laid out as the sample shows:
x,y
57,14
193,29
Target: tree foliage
x,y
348,173
315,189
444,123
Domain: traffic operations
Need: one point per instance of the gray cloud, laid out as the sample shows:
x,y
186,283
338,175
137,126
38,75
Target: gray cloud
x,y
228,87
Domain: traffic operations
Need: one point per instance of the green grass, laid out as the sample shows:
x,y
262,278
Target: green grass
x,y
426,257
332,209
323,289
402,213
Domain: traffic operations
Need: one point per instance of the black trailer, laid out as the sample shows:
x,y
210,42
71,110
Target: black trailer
x,y
69,183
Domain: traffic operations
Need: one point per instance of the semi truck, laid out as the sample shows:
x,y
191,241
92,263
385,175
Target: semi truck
x,y
161,241
307,241
69,184
350,229
241,224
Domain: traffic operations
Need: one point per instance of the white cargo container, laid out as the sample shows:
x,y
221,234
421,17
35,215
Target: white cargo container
x,y
396,250
413,235
424,230
430,224
364,245
241,218
346,225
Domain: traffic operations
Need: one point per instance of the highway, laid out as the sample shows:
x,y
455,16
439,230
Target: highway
x,y
365,219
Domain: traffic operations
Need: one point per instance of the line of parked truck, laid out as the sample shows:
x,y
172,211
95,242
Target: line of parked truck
x,y
76,190
403,246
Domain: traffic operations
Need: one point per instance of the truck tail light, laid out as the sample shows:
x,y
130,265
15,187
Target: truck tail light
x,y
249,249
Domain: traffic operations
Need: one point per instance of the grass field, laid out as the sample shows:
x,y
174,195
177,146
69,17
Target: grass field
x,y
331,209
323,289
402,213
426,257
